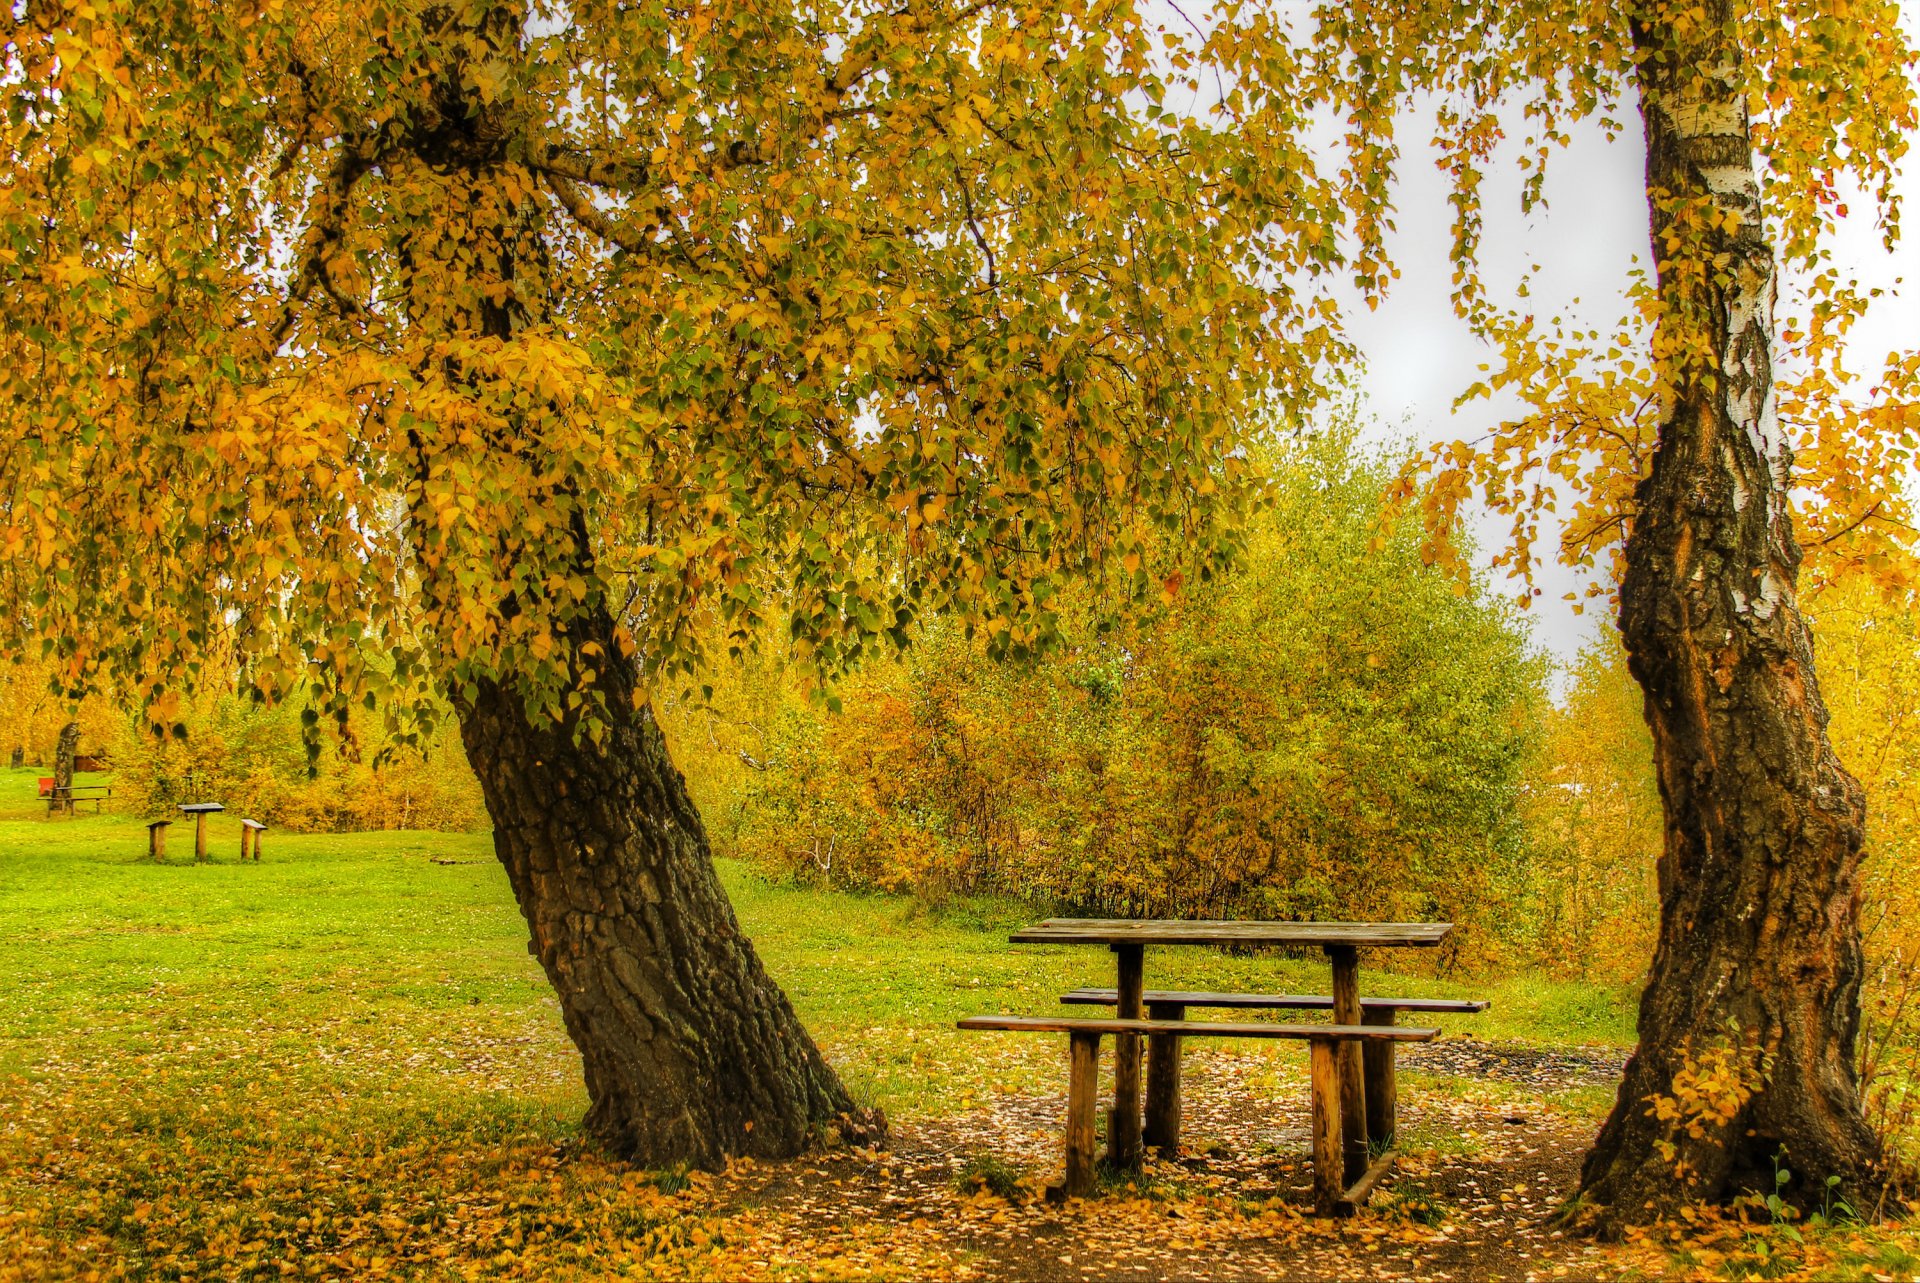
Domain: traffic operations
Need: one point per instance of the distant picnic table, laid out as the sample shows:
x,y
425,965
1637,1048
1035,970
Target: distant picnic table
x,y
59,797
1352,1057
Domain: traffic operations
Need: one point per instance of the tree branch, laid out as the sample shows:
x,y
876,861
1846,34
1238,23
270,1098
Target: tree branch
x,y
359,152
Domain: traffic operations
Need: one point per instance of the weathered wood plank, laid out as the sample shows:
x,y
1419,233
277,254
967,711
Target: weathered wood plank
x,y
1353,1099
1174,931
1083,1088
1324,1074
1123,1120
1161,1129
1383,1091
1274,1001
1194,1028
1360,1191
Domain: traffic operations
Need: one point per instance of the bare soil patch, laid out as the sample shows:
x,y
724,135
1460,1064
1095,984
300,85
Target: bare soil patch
x,y
1491,1157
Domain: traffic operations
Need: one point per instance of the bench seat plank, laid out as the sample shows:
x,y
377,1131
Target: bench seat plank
x,y
1198,1028
1416,935
1274,1001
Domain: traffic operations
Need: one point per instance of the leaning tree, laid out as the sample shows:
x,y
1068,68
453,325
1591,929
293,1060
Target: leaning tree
x,y
1669,447
503,355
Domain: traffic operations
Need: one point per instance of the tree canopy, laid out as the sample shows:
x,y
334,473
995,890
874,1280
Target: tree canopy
x,y
759,297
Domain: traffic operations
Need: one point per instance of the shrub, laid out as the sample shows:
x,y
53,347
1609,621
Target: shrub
x,y
1336,730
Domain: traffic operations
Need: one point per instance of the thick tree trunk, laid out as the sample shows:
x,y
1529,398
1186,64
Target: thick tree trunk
x,y
1745,1064
63,755
692,1053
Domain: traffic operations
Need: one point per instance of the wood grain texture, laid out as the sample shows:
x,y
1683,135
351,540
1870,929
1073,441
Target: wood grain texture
x,y
1161,1128
1353,1100
1194,1028
1273,1001
1414,935
1083,1087
1324,1074
1383,1090
1124,1149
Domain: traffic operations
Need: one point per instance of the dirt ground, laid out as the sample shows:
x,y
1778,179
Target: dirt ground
x,y
1494,1139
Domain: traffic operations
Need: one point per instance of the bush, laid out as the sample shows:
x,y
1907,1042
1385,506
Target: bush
x,y
1337,730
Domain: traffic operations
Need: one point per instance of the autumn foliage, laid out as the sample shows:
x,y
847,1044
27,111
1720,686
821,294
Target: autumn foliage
x,y
1332,731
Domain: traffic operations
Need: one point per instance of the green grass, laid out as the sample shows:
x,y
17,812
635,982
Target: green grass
x,y
365,935
332,1055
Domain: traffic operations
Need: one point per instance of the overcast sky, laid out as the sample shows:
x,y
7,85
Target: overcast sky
x,y
1592,232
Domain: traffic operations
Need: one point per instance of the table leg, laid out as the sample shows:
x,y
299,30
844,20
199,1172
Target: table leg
x,y
1353,1089
1162,1129
1324,1069
1123,1123
1083,1078
1383,1104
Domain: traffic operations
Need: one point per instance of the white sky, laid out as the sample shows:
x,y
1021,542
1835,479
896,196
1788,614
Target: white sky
x,y
1592,231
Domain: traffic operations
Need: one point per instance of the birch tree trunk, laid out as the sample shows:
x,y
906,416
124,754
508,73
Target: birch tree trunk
x,y
1745,1063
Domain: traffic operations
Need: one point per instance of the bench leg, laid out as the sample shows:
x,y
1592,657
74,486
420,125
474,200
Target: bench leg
x,y
1083,1088
1162,1129
1123,1121
1382,1091
1352,1097
1329,1183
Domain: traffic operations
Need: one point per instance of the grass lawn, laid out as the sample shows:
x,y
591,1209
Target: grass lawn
x,y
342,1061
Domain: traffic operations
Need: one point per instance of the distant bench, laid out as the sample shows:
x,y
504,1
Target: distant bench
x,y
1331,1195
73,793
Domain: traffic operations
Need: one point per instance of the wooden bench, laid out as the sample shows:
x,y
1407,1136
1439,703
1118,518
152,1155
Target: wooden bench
x,y
1332,1194
59,798
1162,1127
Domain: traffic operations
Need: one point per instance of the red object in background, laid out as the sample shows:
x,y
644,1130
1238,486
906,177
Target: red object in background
x,y
46,785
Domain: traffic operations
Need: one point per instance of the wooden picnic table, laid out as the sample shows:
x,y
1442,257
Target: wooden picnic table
x,y
1128,938
71,794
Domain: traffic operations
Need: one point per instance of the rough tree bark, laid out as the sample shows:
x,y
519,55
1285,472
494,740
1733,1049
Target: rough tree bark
x,y
63,755
692,1053
1758,966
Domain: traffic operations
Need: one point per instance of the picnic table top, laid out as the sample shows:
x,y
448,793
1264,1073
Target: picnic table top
x,y
1215,931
